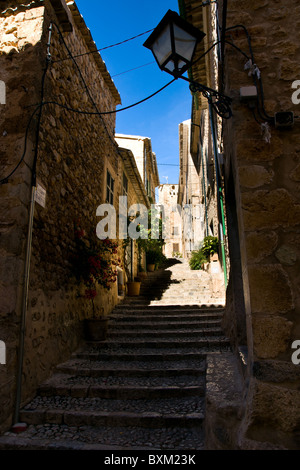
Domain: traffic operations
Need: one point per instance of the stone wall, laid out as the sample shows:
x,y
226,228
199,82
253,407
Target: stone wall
x,y
208,188
73,151
265,175
173,224
190,191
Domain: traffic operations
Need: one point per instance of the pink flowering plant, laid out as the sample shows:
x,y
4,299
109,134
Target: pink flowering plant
x,y
95,262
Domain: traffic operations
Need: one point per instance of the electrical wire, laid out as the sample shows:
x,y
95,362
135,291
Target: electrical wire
x,y
42,104
203,4
214,44
91,113
39,119
104,48
206,3
266,115
135,68
238,49
5,180
82,78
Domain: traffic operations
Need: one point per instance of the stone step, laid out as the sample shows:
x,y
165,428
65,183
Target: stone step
x,y
165,315
142,344
138,368
155,413
164,324
165,309
175,334
116,387
166,312
64,437
189,284
172,322
149,355
141,388
184,302
133,306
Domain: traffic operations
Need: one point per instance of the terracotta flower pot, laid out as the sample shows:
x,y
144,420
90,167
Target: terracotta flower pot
x,y
133,288
150,267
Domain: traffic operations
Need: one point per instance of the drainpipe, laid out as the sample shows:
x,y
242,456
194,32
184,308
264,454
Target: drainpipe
x,y
204,188
24,307
219,194
29,245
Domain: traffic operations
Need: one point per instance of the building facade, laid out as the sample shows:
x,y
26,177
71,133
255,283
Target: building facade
x,y
141,148
257,56
59,163
190,194
167,199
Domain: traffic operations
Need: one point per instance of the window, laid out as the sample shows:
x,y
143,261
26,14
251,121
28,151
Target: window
x,y
110,182
175,247
172,191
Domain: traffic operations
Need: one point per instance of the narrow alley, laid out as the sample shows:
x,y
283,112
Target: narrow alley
x,y
144,387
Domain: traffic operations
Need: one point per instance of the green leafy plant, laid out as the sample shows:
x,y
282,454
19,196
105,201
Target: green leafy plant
x,y
210,245
152,256
197,260
152,247
176,254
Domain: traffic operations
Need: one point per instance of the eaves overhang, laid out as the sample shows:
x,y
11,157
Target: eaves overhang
x,y
134,176
195,13
87,36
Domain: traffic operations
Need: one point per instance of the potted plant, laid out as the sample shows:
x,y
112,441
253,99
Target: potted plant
x,y
205,254
94,263
197,260
210,246
133,287
151,259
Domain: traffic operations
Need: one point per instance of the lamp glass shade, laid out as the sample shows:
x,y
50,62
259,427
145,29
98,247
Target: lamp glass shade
x,y
185,44
162,46
173,43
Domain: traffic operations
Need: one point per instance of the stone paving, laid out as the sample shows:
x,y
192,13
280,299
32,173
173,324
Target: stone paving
x,y
141,388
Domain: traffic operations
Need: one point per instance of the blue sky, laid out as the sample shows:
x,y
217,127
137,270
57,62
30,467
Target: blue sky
x,y
159,117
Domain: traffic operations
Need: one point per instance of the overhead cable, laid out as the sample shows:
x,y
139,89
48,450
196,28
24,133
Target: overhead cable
x,y
104,48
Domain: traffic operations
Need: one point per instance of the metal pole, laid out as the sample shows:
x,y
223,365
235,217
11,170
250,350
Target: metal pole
x,y
24,307
29,243
219,194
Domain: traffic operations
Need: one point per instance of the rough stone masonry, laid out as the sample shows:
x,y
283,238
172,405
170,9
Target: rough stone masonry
x,y
264,169
73,153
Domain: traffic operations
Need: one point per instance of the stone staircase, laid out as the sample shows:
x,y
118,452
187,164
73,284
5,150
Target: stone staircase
x,y
143,388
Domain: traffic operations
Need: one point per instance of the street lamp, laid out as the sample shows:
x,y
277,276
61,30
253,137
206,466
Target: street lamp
x,y
173,44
